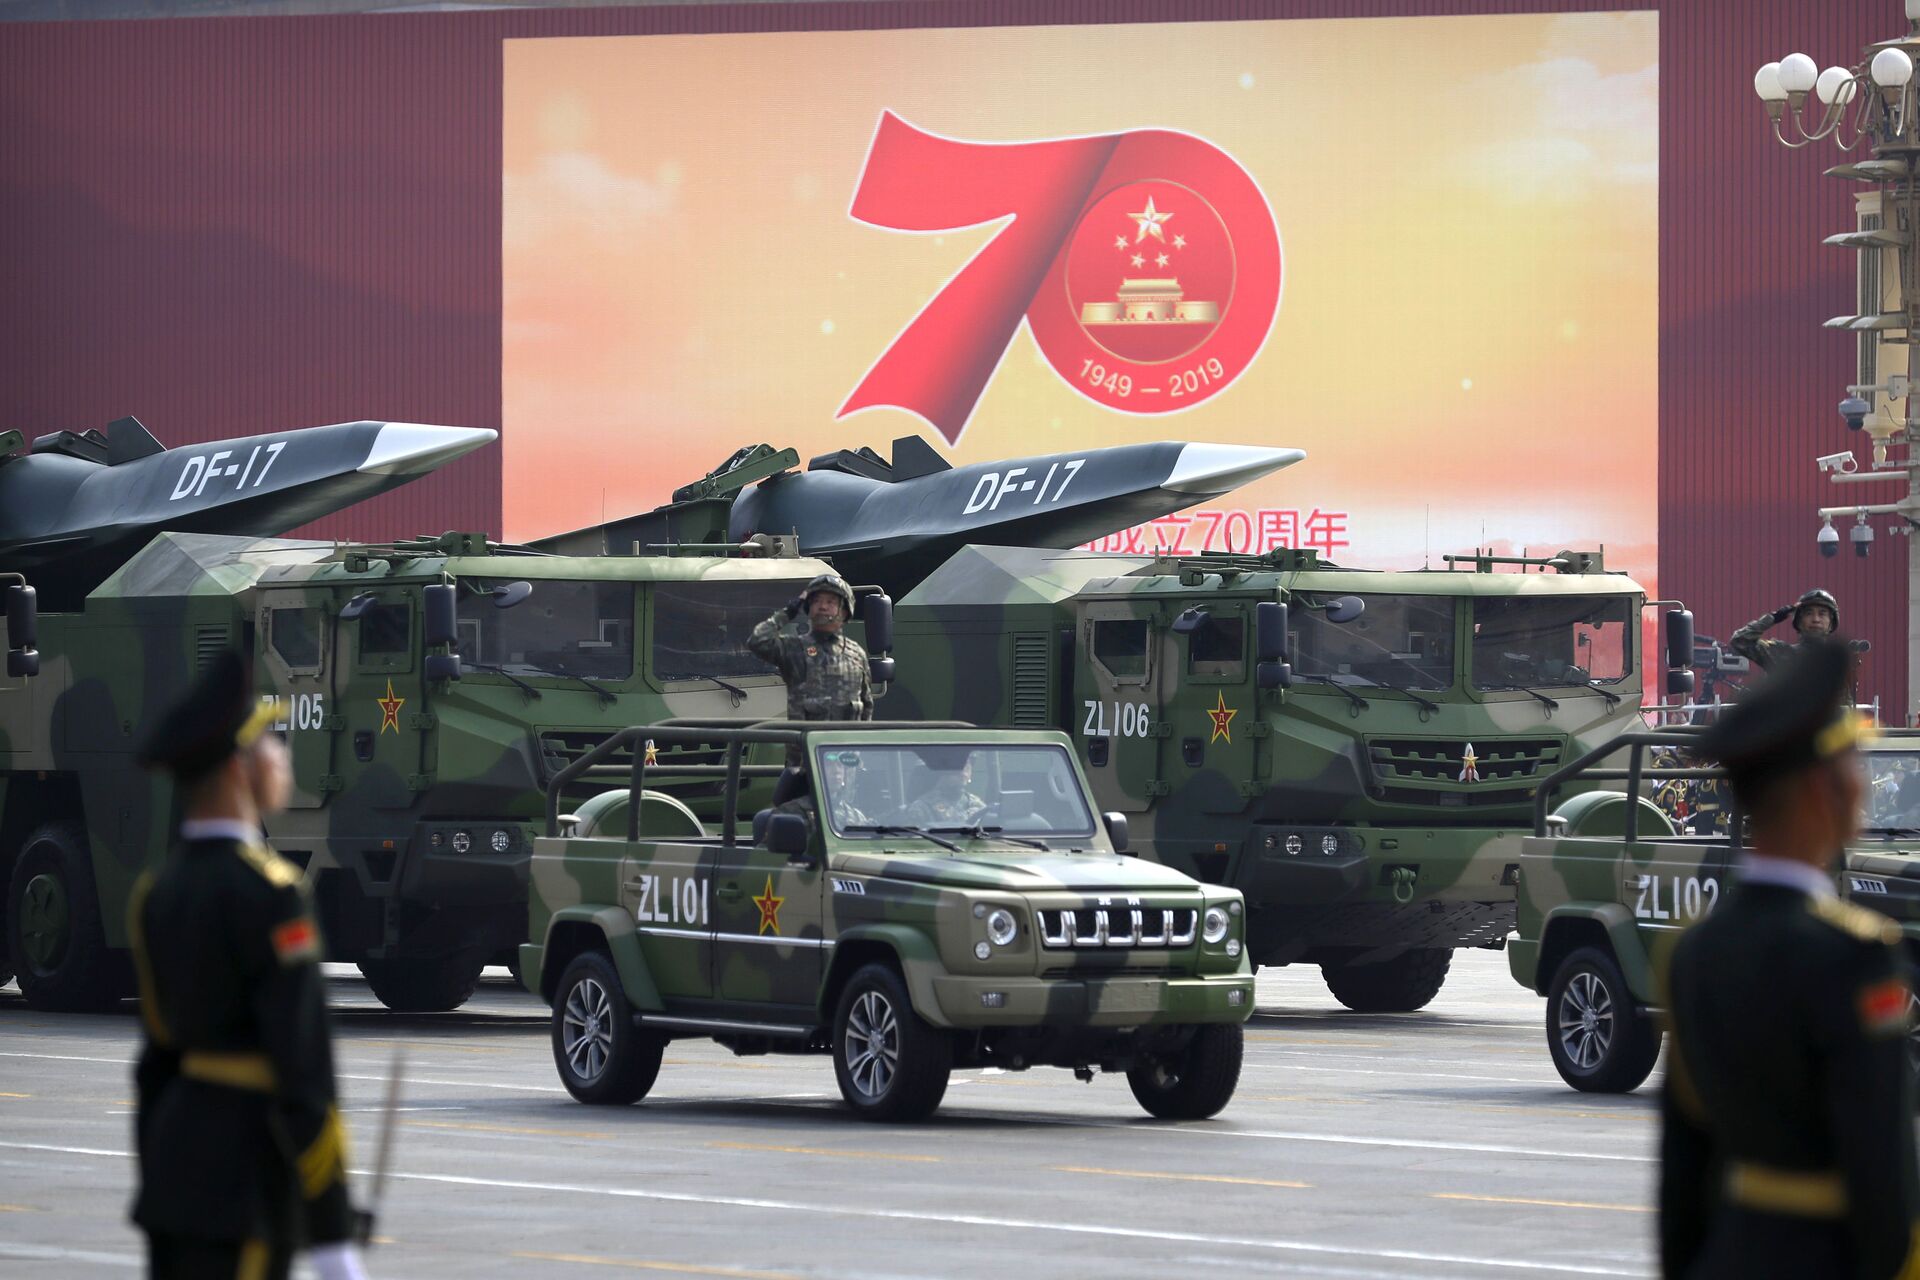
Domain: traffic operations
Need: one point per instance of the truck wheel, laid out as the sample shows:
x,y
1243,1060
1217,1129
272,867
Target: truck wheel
x,y
424,986
54,939
1195,1082
602,1057
1600,1041
1400,985
891,1065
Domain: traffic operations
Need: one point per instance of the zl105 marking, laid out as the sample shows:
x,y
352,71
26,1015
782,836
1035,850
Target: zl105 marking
x,y
1116,720
1672,897
680,900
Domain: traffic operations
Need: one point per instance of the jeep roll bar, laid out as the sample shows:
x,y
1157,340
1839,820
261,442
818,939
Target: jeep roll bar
x,y
1635,744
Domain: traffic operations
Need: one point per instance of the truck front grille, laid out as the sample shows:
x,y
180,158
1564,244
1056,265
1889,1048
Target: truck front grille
x,y
1065,928
1496,761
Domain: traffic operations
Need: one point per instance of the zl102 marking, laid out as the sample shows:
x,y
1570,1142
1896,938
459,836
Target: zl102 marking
x,y
1116,720
1672,897
680,900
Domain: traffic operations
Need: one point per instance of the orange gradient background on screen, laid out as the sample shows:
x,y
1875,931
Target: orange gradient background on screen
x,y
1466,344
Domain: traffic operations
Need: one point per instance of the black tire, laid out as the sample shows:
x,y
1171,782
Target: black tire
x,y
1400,985
1600,1039
1195,1082
891,1065
54,937
424,986
602,1058
514,971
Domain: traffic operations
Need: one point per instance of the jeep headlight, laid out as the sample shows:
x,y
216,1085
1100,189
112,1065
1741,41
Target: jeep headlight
x,y
1215,927
1001,926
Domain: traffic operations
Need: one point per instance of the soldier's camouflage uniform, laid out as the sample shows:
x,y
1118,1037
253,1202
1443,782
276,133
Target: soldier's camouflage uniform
x,y
945,808
827,675
1751,642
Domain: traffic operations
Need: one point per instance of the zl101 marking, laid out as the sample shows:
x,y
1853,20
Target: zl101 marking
x,y
1672,897
680,900
1116,720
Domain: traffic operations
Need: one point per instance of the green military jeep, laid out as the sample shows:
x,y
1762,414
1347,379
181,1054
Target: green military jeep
x,y
1605,885
922,897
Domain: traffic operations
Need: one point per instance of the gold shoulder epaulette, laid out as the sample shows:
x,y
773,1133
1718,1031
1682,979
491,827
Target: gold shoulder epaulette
x,y
274,869
1860,922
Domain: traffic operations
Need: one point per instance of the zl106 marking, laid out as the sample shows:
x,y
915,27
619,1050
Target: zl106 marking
x,y
1116,720
680,900
1672,897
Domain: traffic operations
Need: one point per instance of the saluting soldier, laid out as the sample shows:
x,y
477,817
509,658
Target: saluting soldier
x,y
1788,1142
826,673
1814,614
242,1154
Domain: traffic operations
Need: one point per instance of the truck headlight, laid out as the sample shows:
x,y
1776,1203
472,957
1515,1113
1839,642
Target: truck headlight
x,y
1215,927
981,951
1001,926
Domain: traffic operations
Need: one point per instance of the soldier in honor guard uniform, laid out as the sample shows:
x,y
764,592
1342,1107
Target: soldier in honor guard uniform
x,y
1787,1137
827,674
242,1154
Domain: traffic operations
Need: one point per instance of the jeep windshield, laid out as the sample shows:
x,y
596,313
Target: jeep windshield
x,y
1018,792
1551,641
1892,800
1396,642
567,630
700,629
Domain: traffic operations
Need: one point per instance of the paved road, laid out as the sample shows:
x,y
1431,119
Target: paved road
x,y
1431,1144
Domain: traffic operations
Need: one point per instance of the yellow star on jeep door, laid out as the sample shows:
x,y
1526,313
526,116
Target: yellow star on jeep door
x,y
1222,716
769,909
390,710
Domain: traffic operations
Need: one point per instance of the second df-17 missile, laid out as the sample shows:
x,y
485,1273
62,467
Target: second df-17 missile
x,y
74,507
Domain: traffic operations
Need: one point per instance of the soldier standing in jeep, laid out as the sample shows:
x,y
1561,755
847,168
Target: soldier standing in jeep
x,y
826,673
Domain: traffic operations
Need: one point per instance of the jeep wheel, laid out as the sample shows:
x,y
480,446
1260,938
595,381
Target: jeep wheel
x,y
1400,985
54,939
424,986
1600,1041
1195,1081
602,1057
890,1064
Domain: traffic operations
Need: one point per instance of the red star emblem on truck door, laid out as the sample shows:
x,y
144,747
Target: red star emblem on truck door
x,y
390,710
769,909
1222,716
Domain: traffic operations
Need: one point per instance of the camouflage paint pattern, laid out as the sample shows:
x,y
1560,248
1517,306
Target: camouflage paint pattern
x,y
1354,832
699,930
415,803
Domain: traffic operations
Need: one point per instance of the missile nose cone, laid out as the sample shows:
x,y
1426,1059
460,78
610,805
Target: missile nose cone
x,y
413,448
1209,469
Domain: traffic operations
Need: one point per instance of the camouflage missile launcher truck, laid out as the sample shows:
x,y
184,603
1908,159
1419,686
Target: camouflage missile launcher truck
x,y
432,690
1605,888
1354,751
962,904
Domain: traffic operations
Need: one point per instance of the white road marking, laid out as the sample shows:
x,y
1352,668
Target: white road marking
x,y
49,1253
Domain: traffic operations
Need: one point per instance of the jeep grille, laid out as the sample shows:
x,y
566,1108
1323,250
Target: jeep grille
x,y
1068,927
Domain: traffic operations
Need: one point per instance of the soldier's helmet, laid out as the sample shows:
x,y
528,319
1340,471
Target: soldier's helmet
x,y
1818,597
837,585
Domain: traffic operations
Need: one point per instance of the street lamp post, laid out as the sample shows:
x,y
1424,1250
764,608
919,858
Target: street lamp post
x,y
1871,105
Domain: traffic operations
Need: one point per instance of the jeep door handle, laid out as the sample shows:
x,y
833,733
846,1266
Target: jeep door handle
x,y
730,892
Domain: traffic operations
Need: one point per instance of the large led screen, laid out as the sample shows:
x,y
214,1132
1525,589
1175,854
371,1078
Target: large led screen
x,y
1422,250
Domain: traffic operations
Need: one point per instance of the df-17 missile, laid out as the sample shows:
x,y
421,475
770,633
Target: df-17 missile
x,y
77,504
896,522
892,522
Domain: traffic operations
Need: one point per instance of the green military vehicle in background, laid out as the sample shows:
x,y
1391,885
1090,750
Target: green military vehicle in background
x,y
921,898
1605,886
1354,751
433,688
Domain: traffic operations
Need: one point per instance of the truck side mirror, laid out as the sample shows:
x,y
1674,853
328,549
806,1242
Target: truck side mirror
x,y
1679,682
787,834
1679,638
443,666
1345,609
1270,628
357,606
441,626
876,611
880,670
1116,824
23,632
1274,675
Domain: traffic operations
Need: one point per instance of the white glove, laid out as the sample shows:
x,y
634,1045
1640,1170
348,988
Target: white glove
x,y
339,1261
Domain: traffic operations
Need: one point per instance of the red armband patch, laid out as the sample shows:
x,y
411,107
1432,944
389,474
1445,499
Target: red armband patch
x,y
297,941
1883,1007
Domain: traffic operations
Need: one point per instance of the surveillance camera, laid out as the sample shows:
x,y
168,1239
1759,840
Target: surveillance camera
x,y
1842,462
1862,535
1855,411
1829,540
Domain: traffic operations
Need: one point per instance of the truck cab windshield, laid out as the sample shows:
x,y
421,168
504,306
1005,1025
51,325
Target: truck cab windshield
x,y
700,629
981,791
1551,640
1397,641
563,629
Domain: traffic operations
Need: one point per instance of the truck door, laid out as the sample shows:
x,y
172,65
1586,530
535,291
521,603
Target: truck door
x,y
1116,710
291,641
1210,702
383,717
768,930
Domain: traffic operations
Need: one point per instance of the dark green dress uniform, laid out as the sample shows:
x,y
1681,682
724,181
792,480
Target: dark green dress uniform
x,y
1787,1119
242,1154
